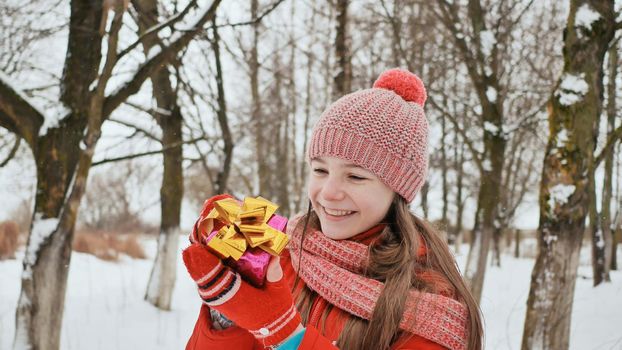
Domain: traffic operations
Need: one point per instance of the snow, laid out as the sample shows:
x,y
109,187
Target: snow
x,y
93,84
41,230
562,138
487,165
478,110
491,94
154,282
488,42
585,17
559,194
600,241
595,311
6,80
162,111
104,308
572,89
491,128
549,238
52,120
153,51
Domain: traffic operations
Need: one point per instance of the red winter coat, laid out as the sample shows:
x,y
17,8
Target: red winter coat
x,y
204,337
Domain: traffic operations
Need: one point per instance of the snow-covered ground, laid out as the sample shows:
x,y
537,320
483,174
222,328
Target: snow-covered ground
x,y
105,309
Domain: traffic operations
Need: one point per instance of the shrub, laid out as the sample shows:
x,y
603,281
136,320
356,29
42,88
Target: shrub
x,y
129,246
9,239
107,246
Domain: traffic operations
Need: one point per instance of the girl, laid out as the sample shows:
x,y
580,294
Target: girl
x,y
361,271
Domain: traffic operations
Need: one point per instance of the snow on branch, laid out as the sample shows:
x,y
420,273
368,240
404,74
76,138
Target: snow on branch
x,y
559,195
42,229
585,17
572,89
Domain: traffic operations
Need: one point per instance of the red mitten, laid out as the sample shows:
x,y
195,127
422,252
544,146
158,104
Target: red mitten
x,y
208,205
268,313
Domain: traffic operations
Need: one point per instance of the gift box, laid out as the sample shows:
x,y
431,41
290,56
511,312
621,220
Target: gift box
x,y
244,234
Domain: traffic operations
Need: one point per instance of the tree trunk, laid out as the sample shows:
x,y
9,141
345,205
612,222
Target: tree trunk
x,y
281,121
444,174
516,243
424,199
482,63
343,79
263,168
602,271
600,223
496,240
59,177
574,110
487,201
303,164
616,234
459,162
227,138
168,115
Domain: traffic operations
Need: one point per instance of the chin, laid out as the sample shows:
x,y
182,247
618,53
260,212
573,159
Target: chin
x,y
336,234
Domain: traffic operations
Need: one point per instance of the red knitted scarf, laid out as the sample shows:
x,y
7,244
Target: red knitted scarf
x,y
334,269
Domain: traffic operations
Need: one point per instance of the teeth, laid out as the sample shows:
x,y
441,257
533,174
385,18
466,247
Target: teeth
x,y
338,212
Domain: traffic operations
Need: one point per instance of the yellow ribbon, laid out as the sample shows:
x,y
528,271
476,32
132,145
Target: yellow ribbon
x,y
246,225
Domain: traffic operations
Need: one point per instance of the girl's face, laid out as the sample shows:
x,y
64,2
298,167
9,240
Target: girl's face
x,y
347,198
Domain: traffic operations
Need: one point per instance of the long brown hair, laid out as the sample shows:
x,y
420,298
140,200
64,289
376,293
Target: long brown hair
x,y
393,260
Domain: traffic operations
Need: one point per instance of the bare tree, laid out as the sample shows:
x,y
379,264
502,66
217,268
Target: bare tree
x,y
600,223
168,115
343,78
63,147
574,112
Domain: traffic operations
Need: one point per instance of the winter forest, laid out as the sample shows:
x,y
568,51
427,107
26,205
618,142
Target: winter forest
x,y
119,118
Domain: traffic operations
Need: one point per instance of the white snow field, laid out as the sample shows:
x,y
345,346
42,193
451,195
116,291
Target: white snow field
x,y
104,307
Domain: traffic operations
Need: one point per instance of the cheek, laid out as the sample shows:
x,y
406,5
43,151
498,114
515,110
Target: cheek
x,y
313,189
377,202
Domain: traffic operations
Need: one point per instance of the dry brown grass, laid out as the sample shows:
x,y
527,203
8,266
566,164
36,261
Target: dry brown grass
x,y
107,246
9,239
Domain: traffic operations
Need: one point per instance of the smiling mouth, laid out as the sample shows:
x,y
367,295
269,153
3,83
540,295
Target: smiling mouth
x,y
337,213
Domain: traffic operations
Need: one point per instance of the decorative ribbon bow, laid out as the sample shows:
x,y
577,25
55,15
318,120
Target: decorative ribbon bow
x,y
233,226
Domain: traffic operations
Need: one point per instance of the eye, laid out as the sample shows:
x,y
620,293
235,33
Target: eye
x,y
357,178
319,171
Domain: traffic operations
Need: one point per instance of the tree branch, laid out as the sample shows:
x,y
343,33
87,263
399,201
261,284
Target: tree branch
x,y
156,62
254,21
137,129
111,55
13,151
156,28
143,154
614,137
477,157
17,113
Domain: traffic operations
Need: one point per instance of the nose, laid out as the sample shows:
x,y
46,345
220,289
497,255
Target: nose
x,y
332,189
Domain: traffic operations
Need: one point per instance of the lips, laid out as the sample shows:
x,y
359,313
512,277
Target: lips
x,y
337,213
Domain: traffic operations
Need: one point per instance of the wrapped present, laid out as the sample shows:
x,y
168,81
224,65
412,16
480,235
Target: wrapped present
x,y
244,234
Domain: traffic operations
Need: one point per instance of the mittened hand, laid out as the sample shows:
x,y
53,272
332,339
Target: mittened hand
x,y
268,313
208,205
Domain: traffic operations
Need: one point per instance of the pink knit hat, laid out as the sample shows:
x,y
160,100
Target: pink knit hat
x,y
382,129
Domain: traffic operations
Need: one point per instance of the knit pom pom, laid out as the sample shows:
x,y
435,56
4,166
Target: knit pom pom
x,y
403,83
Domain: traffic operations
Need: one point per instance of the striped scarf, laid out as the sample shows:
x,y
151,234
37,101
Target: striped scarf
x,y
335,270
